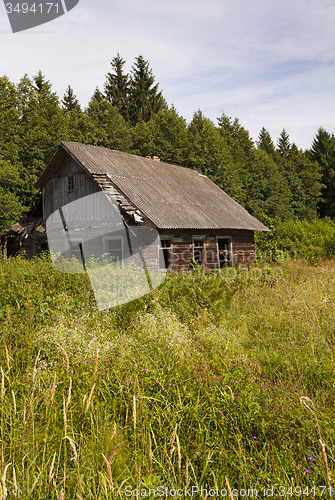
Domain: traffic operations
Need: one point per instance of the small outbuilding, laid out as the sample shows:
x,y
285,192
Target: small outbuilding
x,y
196,220
27,236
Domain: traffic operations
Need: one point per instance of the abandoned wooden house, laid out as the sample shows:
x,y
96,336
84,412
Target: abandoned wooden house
x,y
196,220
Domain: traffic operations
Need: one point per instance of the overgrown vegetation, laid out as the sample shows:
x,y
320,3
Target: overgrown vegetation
x,y
308,240
214,376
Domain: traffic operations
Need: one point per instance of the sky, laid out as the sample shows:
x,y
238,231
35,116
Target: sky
x,y
270,64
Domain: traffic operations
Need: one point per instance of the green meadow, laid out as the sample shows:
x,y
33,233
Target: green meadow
x,y
214,385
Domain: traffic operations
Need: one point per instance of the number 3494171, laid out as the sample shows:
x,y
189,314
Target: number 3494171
x,y
24,8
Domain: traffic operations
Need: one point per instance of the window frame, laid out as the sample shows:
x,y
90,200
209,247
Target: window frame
x,y
113,238
165,248
199,238
230,250
70,184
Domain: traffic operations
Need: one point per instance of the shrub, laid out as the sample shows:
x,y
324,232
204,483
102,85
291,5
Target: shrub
x,y
309,240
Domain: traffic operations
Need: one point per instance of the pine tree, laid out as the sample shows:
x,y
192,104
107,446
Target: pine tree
x,y
117,86
145,99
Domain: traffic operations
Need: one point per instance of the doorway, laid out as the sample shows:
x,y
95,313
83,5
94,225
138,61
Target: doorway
x,y
224,249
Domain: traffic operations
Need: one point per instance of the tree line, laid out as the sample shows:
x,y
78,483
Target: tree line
x,y
271,180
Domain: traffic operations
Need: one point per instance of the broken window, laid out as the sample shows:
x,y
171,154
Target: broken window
x,y
165,254
224,247
114,249
198,250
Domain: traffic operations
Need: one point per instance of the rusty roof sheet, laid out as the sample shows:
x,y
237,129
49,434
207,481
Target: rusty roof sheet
x,y
172,197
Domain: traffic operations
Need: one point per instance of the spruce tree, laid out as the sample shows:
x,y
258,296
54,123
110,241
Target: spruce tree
x,y
209,152
238,140
323,152
145,99
266,188
98,95
11,207
70,101
304,176
165,136
41,127
117,86
75,120
105,126
265,142
283,144
9,121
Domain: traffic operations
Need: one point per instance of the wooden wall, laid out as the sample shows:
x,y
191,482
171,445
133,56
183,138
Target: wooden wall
x,y
242,248
55,193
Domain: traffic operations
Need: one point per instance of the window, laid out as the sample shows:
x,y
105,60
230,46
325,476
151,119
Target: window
x,y
224,248
198,250
114,248
74,249
165,254
70,185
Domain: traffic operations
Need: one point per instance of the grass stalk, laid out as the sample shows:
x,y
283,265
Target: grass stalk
x,y
229,488
89,399
324,456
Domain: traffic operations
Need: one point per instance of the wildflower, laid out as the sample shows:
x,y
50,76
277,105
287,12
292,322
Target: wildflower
x,y
310,458
145,368
254,437
306,470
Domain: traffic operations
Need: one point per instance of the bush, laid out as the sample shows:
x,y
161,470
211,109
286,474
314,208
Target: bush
x,y
309,240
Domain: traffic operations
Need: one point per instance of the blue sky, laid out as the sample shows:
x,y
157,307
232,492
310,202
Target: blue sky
x,y
268,63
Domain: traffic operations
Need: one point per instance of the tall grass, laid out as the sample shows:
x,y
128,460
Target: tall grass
x,y
211,381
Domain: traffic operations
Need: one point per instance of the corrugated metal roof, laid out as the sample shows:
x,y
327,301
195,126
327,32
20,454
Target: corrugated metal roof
x,y
172,197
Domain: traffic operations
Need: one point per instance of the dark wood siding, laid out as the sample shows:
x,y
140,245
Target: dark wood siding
x,y
242,246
